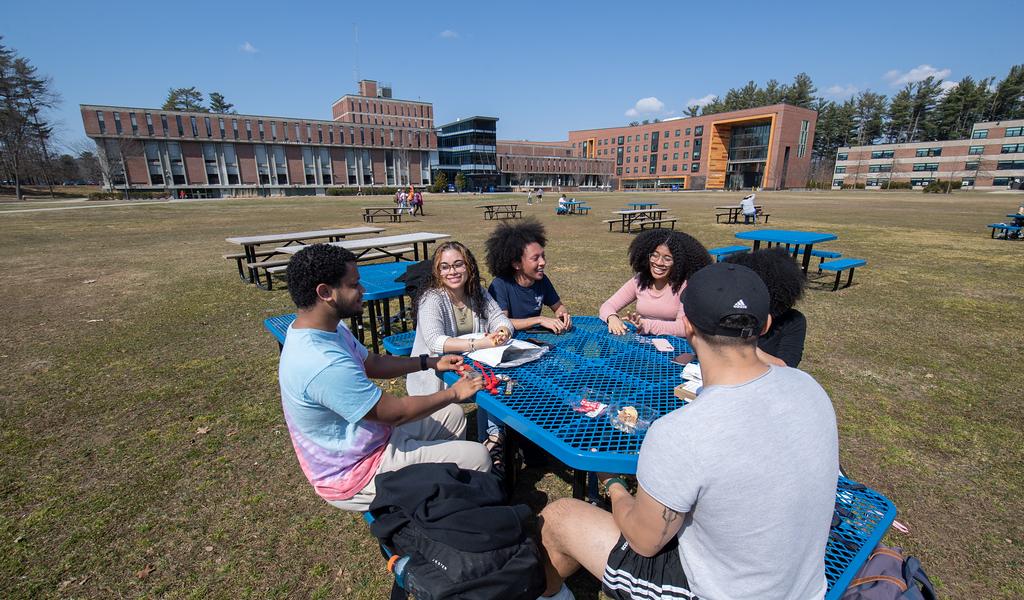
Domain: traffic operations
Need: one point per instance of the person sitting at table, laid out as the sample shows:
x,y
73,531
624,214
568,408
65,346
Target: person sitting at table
x,y
515,257
783,343
663,261
450,303
344,428
562,208
736,489
749,210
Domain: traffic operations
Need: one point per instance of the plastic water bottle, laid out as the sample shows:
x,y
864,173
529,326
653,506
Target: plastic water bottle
x,y
399,571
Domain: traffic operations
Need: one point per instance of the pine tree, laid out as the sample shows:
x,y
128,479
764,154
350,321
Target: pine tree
x,y
219,105
901,113
801,92
869,112
1008,99
184,99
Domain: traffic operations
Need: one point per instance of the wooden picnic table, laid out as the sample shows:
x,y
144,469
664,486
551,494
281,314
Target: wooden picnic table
x,y
733,212
384,243
628,218
392,213
500,211
249,243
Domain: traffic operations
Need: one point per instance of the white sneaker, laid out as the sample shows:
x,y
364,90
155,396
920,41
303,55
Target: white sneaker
x,y
563,594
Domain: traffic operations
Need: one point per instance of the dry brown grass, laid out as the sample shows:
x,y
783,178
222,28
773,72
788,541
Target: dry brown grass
x,y
109,384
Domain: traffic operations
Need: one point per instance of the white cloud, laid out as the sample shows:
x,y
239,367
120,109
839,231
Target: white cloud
x,y
919,73
449,34
841,91
702,101
248,48
649,105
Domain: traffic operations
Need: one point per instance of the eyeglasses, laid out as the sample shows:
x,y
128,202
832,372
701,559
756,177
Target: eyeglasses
x,y
459,265
665,259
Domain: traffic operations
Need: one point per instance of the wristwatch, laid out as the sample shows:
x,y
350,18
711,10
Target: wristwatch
x,y
423,362
608,484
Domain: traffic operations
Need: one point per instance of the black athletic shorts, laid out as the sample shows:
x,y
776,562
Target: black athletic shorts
x,y
630,576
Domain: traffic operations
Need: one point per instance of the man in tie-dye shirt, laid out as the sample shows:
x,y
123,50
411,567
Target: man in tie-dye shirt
x,y
343,427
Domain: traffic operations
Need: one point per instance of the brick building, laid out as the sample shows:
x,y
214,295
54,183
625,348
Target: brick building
x,y
373,141
992,158
767,147
550,164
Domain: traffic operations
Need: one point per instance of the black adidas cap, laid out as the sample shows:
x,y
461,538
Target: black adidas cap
x,y
720,290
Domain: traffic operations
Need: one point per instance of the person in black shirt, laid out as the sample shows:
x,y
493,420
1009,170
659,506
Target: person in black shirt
x,y
783,344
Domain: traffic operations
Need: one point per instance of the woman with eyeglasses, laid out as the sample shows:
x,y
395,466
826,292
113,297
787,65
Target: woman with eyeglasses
x,y
663,261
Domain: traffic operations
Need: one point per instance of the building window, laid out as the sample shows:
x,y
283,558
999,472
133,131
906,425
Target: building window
x,y
972,165
976,150
872,183
842,156
102,122
928,152
882,154
645,137
801,149
134,122
1014,131
675,144
234,128
181,129
220,127
837,183
683,167
1012,148
117,122
967,182
674,167
620,140
687,131
880,168
677,133
1009,165
926,166
195,127
212,168
618,170
686,156
921,182
695,166
163,123
675,156
979,134
698,130
629,138
998,181
840,169
628,159
149,123
686,143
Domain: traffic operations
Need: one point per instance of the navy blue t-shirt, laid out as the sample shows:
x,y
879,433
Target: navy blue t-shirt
x,y
523,302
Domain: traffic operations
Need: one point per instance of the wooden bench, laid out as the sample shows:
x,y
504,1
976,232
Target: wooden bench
x,y
657,223
276,267
841,265
392,214
726,251
267,265
1006,229
504,214
238,257
611,222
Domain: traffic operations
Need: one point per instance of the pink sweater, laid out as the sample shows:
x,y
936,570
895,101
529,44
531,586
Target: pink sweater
x,y
661,313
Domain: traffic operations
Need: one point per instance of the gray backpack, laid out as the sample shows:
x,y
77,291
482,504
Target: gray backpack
x,y
888,575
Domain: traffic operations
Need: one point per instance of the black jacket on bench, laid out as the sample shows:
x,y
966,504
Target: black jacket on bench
x,y
463,539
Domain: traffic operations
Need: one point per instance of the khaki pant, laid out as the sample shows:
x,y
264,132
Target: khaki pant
x,y
438,438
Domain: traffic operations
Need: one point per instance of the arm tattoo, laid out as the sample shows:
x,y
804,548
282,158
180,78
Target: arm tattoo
x,y
668,515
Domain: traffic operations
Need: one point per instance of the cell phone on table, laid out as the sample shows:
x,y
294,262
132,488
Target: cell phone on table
x,y
685,358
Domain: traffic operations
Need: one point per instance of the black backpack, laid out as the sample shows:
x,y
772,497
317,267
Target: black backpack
x,y
459,536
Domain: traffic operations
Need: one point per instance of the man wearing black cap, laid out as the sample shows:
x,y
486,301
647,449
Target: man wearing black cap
x,y
736,489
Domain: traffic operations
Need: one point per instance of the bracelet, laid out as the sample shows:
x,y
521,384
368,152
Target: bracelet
x,y
608,484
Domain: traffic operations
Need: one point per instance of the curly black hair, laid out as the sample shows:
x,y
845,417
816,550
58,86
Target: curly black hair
x,y
688,256
313,265
508,242
779,271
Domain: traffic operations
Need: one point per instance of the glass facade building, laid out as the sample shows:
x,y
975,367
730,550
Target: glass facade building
x,y
469,146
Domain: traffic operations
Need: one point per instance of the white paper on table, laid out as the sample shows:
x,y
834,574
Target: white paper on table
x,y
691,372
512,354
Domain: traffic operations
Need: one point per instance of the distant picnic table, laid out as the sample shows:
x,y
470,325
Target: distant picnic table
x,y
733,212
807,239
639,218
641,205
500,211
391,213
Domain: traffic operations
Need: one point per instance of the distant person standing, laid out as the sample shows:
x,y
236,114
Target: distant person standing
x,y
529,198
417,203
749,210
540,195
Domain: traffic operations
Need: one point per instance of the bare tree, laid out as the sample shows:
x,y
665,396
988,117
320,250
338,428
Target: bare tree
x,y
112,159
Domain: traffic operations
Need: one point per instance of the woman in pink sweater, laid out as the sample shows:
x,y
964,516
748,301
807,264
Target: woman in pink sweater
x,y
663,261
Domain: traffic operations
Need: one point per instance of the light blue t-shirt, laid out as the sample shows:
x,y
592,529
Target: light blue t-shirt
x,y
325,393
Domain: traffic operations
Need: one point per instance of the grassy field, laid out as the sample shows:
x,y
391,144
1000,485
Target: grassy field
x,y
144,452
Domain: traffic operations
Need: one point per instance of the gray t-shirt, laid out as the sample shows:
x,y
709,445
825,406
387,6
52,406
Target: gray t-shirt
x,y
754,467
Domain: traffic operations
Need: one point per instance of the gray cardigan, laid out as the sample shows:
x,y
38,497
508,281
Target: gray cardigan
x,y
435,323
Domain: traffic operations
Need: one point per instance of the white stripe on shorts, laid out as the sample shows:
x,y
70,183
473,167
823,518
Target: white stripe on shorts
x,y
617,579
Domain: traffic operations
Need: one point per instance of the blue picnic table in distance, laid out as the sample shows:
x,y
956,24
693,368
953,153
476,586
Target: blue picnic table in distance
x,y
790,238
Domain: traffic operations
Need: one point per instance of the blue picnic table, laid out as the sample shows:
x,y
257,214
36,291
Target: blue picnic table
x,y
590,362
641,205
379,282
793,238
1018,219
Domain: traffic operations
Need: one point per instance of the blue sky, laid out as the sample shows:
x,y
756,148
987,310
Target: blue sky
x,y
543,68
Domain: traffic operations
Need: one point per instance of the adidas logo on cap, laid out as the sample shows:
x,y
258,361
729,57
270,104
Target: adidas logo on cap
x,y
739,304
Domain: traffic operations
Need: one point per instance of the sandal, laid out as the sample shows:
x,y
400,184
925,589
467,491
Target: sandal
x,y
496,448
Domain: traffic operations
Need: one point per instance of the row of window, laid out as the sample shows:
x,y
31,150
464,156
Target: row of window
x,y
974,165
928,152
981,134
404,138
694,167
697,131
1011,148
964,182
